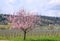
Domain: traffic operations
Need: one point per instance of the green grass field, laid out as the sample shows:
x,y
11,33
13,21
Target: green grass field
x,y
33,38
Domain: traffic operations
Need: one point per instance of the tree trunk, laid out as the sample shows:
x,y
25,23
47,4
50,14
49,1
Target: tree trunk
x,y
24,35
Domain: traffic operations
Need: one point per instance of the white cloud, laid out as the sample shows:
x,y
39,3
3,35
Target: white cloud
x,y
54,1
29,1
34,12
57,1
10,1
57,14
41,6
9,8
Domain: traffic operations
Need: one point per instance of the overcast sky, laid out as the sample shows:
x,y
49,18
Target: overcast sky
x,y
43,7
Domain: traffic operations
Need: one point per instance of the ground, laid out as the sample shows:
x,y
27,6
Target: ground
x,y
3,40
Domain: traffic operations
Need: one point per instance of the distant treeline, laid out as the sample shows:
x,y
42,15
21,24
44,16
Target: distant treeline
x,y
44,20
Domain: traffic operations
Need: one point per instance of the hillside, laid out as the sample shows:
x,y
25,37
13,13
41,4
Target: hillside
x,y
44,20
50,20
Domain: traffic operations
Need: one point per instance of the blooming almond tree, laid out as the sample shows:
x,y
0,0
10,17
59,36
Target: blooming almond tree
x,y
22,20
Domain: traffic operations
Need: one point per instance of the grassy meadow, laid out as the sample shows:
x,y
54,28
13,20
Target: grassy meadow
x,y
34,35
33,38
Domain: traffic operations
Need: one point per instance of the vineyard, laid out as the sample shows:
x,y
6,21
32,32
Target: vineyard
x,y
37,34
16,33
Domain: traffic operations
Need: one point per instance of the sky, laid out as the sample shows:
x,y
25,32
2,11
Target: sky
x,y
42,7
